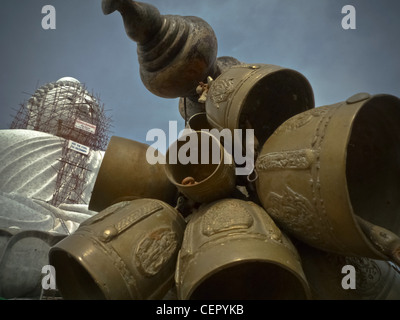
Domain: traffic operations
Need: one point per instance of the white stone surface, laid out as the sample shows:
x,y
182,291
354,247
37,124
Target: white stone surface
x,y
28,172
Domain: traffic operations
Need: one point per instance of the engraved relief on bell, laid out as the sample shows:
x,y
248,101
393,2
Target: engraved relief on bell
x,y
175,52
232,249
189,106
327,176
257,96
331,177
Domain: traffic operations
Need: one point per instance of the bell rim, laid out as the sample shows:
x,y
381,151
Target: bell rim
x,y
256,241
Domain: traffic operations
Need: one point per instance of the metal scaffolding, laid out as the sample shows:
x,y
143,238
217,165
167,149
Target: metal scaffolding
x,y
66,109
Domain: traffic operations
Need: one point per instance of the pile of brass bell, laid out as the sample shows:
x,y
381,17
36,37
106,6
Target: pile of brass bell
x,y
323,192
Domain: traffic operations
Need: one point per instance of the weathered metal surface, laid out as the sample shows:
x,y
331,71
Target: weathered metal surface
x,y
232,249
324,167
328,176
208,180
175,52
257,96
127,251
125,174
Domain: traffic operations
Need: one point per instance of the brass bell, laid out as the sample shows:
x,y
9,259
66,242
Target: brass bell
x,y
327,174
127,251
200,167
257,96
125,174
233,250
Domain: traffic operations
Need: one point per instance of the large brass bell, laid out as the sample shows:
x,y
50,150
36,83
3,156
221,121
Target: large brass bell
x,y
233,250
127,251
331,177
126,174
257,96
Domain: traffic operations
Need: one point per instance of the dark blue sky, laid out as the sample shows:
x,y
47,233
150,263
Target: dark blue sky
x,y
305,35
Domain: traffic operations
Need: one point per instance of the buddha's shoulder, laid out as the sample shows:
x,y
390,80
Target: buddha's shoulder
x,y
15,137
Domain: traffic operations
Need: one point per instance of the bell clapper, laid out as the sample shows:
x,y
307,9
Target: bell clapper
x,y
384,240
189,181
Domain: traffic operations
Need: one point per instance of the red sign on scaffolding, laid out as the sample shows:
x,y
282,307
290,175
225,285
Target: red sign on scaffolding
x,y
79,124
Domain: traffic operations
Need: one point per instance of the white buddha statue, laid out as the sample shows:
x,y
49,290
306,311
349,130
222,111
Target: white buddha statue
x,y
31,160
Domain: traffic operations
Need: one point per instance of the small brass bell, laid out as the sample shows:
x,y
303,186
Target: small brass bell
x,y
209,173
